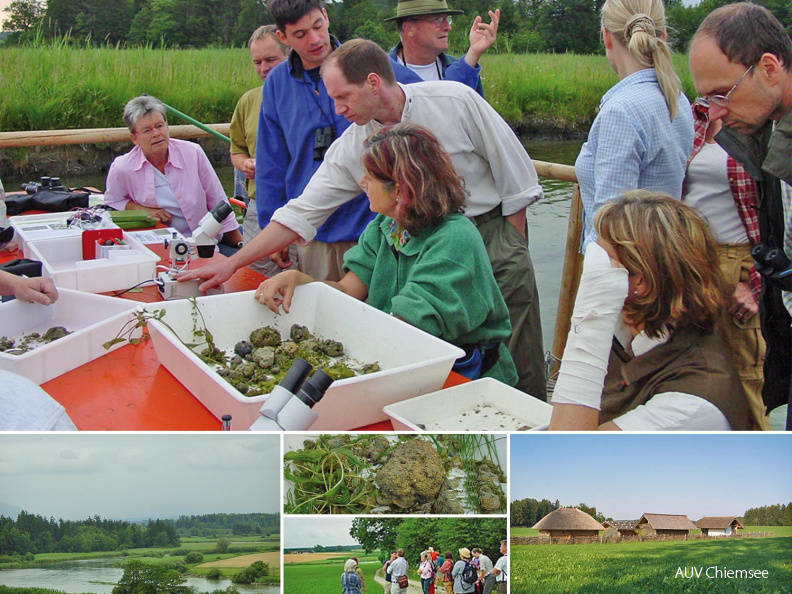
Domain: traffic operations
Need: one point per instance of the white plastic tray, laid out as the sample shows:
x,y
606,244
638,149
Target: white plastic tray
x,y
62,261
93,320
481,405
50,225
412,361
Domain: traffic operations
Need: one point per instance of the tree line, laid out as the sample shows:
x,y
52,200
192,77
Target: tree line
x,y
527,512
769,515
236,524
526,26
417,534
34,534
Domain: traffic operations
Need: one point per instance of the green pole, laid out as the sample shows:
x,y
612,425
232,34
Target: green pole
x,y
196,123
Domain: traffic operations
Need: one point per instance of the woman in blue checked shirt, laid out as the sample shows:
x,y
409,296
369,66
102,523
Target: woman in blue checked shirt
x,y
643,133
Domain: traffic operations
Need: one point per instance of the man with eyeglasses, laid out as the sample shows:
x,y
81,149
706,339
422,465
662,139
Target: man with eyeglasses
x,y
423,27
741,63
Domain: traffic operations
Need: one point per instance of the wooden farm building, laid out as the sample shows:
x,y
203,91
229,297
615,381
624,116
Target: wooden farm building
x,y
568,522
719,526
623,527
665,525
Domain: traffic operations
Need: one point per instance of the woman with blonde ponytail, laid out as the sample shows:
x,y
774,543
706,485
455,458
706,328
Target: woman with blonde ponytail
x,y
643,133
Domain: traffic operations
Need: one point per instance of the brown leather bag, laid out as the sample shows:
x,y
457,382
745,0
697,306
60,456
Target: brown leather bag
x,y
402,581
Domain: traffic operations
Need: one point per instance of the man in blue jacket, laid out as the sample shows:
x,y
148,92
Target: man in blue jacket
x,y
297,124
423,27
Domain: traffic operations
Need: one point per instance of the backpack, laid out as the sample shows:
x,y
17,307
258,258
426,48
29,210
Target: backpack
x,y
469,574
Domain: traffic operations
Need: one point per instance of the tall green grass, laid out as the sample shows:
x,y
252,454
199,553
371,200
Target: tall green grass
x,y
559,91
650,566
48,87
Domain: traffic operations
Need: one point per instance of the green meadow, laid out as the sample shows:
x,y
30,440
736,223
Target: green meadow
x,y
652,567
325,576
58,87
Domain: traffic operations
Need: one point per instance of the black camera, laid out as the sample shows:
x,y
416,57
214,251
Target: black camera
x,y
323,138
773,264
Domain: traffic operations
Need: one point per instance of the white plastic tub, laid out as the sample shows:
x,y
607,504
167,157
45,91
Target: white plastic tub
x,y
50,225
61,260
481,405
412,361
93,320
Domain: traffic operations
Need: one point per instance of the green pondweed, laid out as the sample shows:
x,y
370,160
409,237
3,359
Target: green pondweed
x,y
339,474
329,478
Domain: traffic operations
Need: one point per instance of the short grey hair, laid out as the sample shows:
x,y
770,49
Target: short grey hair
x,y
142,106
268,31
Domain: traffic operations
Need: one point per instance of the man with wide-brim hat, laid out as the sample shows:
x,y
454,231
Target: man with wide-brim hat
x,y
424,26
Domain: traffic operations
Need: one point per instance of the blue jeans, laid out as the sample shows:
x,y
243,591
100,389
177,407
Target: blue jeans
x,y
425,584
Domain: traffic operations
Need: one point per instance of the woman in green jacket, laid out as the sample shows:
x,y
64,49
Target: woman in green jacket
x,y
420,259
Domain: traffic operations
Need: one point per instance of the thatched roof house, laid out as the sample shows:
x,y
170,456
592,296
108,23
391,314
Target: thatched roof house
x,y
568,521
665,524
624,527
719,525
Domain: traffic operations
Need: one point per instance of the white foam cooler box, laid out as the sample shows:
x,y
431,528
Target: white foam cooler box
x,y
62,261
92,319
412,362
481,405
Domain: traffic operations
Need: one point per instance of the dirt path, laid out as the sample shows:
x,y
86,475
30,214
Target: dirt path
x,y
413,588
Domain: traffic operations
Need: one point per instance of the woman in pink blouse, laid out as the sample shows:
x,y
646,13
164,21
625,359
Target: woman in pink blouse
x,y
172,179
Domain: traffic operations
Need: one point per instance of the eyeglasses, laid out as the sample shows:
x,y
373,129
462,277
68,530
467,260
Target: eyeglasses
x,y
437,21
146,132
722,100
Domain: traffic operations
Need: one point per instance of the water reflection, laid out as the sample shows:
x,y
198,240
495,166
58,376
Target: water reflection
x,y
98,576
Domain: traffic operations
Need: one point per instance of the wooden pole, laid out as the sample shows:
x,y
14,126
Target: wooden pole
x,y
570,279
555,171
93,135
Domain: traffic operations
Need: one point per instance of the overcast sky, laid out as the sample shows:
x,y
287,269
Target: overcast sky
x,y
625,476
299,532
140,475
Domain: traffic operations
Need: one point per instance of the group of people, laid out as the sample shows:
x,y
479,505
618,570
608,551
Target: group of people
x,y
472,573
672,316
665,332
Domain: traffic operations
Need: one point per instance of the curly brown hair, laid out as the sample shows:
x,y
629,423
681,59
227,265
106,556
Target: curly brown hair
x,y
410,156
670,245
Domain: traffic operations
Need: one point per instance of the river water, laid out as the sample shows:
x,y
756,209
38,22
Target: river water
x,y
547,221
98,576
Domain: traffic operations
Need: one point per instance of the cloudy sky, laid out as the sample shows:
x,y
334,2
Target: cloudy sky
x,y
624,476
309,531
140,475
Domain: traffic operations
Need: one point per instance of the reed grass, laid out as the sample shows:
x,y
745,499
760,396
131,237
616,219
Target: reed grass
x,y
49,88
555,91
56,86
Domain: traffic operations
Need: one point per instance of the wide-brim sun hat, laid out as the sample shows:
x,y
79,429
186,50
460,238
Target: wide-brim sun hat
x,y
411,8
464,552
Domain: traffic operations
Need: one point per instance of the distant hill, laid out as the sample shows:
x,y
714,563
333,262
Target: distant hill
x,y
6,509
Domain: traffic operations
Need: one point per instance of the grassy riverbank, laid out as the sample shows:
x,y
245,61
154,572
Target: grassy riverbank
x,y
48,88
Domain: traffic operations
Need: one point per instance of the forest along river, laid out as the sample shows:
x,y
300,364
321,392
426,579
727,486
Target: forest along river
x,y
547,221
98,576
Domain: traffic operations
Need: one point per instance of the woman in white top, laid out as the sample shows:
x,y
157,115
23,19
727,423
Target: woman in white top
x,y
642,353
426,571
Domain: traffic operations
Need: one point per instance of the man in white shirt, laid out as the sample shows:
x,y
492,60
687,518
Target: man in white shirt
x,y
501,570
398,568
485,570
497,171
